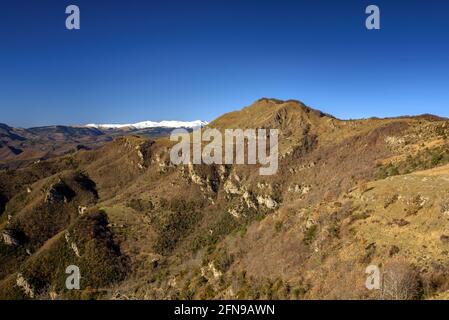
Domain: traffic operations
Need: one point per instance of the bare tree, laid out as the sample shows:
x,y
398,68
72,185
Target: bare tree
x,y
400,281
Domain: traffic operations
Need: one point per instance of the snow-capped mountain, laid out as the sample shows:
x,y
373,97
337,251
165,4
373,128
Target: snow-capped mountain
x,y
151,124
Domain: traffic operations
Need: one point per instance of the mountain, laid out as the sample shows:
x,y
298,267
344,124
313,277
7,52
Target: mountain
x,y
64,132
348,194
19,147
151,124
7,133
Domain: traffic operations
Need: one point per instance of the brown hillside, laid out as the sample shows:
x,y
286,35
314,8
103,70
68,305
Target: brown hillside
x,y
347,194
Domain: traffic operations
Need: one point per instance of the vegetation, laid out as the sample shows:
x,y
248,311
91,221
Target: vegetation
x,y
424,160
172,220
310,234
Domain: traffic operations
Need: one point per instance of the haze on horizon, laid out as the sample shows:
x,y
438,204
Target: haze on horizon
x,y
186,60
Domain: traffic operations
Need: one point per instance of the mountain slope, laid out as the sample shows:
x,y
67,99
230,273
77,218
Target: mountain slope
x,y
348,194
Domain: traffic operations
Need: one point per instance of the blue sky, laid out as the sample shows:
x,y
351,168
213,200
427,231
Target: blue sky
x,y
140,60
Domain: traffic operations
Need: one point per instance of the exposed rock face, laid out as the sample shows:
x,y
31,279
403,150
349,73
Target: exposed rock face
x,y
296,188
9,239
216,273
248,198
82,210
162,164
234,213
143,154
194,176
267,201
207,178
394,141
263,185
211,270
72,244
231,188
23,284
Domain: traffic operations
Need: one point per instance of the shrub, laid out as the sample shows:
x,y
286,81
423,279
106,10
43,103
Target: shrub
x,y
310,234
389,170
436,158
400,281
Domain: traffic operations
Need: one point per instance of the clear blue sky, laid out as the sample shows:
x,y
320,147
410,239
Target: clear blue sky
x,y
139,60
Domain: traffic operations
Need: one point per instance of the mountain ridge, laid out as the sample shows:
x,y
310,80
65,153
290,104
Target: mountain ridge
x,y
20,146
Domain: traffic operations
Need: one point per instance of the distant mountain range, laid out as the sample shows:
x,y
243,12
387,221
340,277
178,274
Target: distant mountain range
x,y
152,124
19,146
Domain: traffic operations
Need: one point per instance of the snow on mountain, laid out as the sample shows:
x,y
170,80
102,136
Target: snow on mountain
x,y
151,124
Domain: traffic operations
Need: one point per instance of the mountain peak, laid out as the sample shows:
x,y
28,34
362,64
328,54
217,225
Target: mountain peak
x,y
269,112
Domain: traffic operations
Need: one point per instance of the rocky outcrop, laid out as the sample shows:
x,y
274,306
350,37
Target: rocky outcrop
x,y
9,239
394,141
194,177
211,272
233,212
82,210
72,244
296,188
140,164
207,178
231,188
267,201
23,284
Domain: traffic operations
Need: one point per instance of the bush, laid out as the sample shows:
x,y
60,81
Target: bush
x,y
310,234
400,281
387,171
436,158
